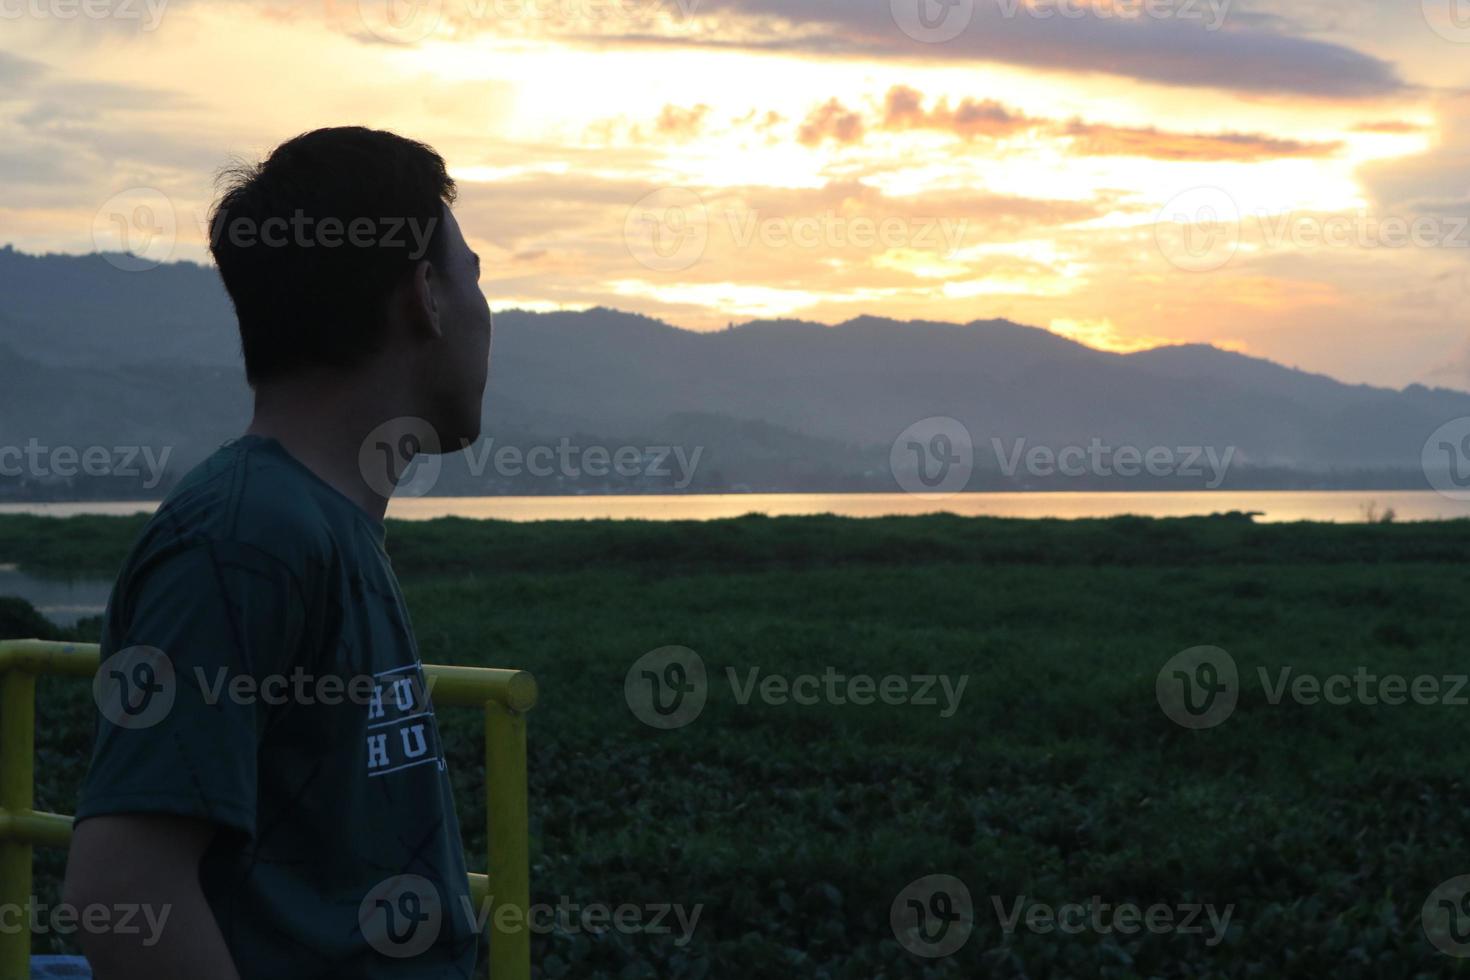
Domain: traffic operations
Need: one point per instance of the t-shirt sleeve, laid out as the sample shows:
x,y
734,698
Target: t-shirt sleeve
x,y
202,638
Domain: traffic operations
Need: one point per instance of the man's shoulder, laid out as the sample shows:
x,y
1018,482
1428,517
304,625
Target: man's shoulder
x,y
247,495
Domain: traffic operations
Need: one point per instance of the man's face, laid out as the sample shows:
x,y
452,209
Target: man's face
x,y
461,366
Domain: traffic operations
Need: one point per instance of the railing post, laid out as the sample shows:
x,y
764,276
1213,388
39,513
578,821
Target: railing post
x,y
505,696
17,796
507,840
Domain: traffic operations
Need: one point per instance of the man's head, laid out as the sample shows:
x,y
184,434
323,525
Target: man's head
x,y
341,256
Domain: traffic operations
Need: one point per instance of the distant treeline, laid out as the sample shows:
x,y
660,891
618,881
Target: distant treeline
x,y
710,478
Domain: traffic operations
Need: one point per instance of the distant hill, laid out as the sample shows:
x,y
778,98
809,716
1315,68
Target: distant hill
x,y
93,355
81,311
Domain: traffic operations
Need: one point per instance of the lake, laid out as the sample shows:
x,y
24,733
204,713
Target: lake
x,y
63,601
1343,506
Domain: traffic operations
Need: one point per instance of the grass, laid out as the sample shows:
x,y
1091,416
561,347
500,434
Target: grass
x,y
1325,827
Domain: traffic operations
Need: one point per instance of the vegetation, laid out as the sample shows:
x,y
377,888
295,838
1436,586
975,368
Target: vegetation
x,y
1323,827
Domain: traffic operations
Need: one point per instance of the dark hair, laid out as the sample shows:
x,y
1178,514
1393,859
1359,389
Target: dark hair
x,y
311,242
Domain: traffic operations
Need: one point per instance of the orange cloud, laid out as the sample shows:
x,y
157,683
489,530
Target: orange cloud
x,y
904,109
832,121
970,119
1100,140
681,123
1390,126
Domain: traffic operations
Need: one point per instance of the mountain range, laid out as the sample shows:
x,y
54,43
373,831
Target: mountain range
x,y
92,355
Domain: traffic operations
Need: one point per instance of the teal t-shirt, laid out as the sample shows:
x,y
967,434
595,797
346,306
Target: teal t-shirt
x,y
260,672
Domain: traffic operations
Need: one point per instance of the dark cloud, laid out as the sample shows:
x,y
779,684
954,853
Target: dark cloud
x,y
1436,182
50,95
72,133
15,70
1256,55
26,166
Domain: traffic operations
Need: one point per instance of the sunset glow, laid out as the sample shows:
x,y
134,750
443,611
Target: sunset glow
x,y
815,161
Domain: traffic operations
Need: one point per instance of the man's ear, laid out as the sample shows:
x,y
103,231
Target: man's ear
x,y
425,309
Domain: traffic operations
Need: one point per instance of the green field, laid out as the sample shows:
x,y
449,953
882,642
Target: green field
x,y
1324,827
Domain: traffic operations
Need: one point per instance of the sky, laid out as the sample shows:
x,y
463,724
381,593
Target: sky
x,y
1290,180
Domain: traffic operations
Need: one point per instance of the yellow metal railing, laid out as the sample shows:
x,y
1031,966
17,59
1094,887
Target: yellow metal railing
x,y
504,695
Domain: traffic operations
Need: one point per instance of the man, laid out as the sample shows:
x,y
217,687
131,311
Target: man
x,y
267,771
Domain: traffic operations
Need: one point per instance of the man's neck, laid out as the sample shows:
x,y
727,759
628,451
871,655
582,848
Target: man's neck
x,y
322,424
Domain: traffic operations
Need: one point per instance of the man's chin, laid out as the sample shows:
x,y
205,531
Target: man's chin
x,y
461,439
